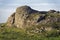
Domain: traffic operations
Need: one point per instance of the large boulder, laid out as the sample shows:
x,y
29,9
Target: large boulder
x,y
24,16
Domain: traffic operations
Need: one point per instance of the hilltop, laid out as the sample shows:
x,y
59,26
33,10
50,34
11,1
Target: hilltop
x,y
26,16
36,21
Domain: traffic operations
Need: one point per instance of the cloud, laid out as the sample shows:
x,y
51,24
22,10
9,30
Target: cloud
x,y
5,13
43,6
0,0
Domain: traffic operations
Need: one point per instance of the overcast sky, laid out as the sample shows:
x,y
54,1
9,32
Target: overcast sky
x,y
7,7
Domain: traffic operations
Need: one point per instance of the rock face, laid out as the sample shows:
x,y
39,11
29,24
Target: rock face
x,y
25,16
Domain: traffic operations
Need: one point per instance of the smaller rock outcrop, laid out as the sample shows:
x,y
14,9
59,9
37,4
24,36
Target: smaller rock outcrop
x,y
51,11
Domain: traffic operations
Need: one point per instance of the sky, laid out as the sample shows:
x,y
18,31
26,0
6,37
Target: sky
x,y
7,7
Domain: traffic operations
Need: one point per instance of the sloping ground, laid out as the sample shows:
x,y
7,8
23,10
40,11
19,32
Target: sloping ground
x,y
12,33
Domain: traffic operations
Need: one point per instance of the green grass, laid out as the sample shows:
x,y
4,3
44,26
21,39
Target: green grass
x,y
12,33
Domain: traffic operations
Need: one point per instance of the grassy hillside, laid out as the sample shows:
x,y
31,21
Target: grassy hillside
x,y
12,33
